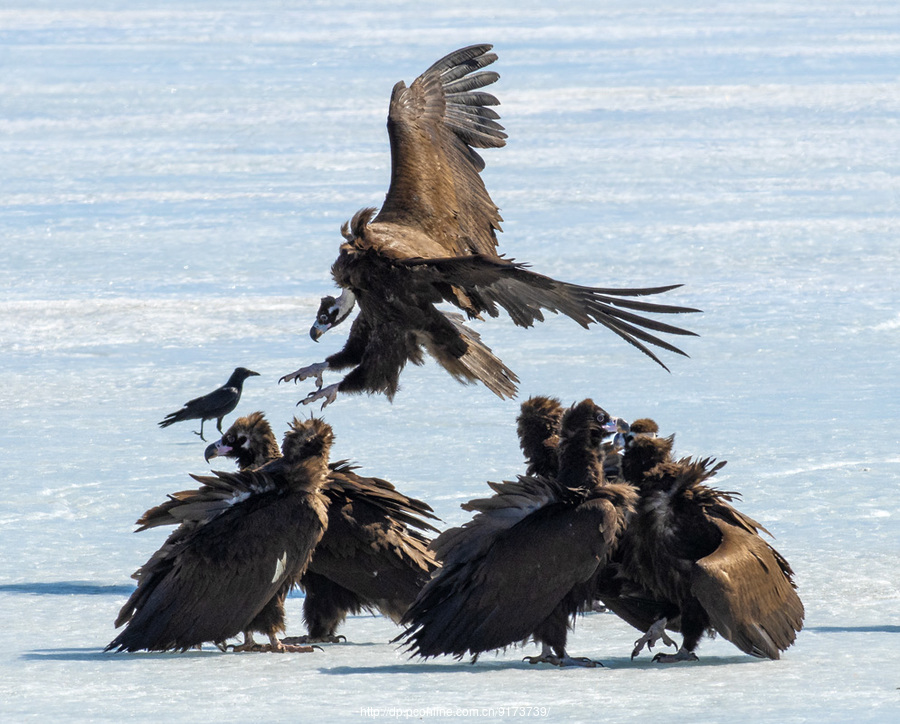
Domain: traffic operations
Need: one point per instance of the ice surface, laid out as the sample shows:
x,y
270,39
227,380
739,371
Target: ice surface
x,y
174,176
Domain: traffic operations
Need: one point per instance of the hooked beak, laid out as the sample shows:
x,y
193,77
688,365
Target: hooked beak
x,y
317,330
215,450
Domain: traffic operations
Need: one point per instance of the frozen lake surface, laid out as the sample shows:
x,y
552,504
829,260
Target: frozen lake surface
x,y
173,181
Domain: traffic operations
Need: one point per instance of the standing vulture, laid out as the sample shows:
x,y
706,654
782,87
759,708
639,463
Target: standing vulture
x,y
692,549
538,430
435,240
374,554
246,538
518,569
214,405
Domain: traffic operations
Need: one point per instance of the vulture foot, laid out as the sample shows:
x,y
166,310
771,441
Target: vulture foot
x,y
328,393
304,373
681,655
548,657
311,640
655,633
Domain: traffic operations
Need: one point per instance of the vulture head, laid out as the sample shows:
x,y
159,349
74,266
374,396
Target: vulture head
x,y
306,439
538,429
331,313
643,452
249,440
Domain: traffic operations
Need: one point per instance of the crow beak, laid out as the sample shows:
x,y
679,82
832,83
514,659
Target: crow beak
x,y
215,450
253,374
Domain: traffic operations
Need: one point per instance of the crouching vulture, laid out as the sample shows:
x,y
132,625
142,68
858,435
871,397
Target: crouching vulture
x,y
374,553
518,569
245,539
702,559
212,406
435,240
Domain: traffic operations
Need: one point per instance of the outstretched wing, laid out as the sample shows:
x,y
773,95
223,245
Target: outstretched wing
x,y
434,126
481,284
746,588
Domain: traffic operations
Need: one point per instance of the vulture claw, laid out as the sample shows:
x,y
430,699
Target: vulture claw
x,y
313,370
328,393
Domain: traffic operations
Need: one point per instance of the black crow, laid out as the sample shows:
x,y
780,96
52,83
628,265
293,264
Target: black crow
x,y
216,404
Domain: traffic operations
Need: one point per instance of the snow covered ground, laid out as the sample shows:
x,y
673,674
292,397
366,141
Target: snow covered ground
x,y
173,178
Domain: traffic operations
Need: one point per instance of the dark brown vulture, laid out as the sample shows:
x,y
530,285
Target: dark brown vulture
x,y
518,569
538,429
215,405
374,553
690,547
246,538
435,240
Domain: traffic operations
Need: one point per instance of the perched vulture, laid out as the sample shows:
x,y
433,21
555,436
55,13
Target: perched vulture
x,y
374,554
246,538
519,568
435,240
691,549
215,405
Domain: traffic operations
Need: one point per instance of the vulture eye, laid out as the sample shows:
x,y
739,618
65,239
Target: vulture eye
x,y
323,317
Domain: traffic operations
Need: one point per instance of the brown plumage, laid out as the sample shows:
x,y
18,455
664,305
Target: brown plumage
x,y
538,429
517,570
246,537
374,553
688,545
435,240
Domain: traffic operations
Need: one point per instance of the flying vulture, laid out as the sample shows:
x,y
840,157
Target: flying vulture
x,y
215,405
435,240
706,561
246,538
519,568
374,553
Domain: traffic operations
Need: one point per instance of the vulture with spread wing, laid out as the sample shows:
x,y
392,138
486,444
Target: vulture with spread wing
x,y
245,538
519,568
691,549
435,240
374,553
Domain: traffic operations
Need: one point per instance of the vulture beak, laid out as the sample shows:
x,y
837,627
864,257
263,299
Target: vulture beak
x,y
317,330
215,450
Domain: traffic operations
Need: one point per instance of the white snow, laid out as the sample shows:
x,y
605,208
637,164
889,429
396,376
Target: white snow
x,y
173,181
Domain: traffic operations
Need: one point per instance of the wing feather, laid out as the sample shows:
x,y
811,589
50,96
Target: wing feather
x,y
746,587
434,126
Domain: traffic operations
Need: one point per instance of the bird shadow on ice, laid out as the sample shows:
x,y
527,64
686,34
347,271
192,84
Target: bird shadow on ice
x,y
95,654
67,588
853,629
609,664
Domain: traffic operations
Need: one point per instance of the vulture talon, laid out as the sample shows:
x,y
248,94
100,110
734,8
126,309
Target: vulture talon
x,y
327,394
313,370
